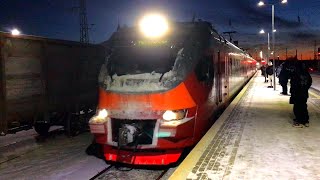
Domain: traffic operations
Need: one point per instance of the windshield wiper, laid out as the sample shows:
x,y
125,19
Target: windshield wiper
x,y
162,74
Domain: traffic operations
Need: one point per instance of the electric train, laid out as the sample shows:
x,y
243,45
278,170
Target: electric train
x,y
160,87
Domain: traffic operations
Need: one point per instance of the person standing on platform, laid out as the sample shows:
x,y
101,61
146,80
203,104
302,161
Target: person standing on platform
x,y
278,70
300,81
263,72
283,78
269,71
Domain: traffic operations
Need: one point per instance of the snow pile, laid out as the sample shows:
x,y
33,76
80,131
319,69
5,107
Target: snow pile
x,y
145,82
137,82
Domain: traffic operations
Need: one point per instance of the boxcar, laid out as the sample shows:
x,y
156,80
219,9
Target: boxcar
x,y
46,82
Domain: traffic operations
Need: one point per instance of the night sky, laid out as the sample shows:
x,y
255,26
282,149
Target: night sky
x,y
297,23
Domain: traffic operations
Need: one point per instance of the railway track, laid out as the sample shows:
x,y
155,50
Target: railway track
x,y
19,148
114,172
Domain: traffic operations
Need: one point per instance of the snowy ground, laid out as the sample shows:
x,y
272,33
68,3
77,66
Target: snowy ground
x,y
316,81
59,157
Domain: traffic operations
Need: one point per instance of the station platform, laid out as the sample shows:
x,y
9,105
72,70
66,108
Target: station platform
x,y
254,139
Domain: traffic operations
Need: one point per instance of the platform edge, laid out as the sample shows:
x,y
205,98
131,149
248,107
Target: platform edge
x,y
190,161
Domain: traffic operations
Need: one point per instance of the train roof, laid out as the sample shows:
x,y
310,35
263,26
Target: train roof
x,y
125,31
40,38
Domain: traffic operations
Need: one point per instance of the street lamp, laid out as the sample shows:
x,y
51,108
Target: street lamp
x,y
263,32
268,52
261,3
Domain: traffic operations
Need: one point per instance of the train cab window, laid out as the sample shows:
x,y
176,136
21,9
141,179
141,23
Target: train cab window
x,y
204,70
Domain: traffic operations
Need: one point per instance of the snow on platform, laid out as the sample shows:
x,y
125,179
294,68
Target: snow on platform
x,y
315,81
254,139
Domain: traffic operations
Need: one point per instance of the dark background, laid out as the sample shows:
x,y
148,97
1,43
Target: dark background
x,y
297,22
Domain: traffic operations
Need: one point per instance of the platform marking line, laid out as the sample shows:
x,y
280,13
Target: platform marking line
x,y
314,94
222,161
246,103
224,137
192,159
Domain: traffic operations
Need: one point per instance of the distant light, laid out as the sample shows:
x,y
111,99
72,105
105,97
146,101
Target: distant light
x,y
274,30
261,3
261,31
15,32
154,25
272,52
261,54
284,1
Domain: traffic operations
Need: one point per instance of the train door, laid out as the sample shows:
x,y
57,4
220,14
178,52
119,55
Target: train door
x,y
217,51
218,78
226,75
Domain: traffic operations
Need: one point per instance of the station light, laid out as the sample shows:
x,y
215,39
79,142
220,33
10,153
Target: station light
x,y
261,3
15,32
154,25
261,31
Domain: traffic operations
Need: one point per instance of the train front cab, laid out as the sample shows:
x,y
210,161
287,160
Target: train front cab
x,y
155,128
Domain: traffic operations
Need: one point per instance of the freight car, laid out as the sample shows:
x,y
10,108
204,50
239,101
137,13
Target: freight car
x,y
46,82
158,94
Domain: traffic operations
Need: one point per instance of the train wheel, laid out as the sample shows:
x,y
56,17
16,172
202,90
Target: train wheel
x,y
72,125
42,128
3,134
95,149
57,118
41,125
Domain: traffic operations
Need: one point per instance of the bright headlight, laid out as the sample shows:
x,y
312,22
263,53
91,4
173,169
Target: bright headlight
x,y
174,115
102,114
100,117
153,25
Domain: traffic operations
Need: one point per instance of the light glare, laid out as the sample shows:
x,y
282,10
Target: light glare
x,y
169,115
102,114
261,31
15,32
153,25
261,3
284,1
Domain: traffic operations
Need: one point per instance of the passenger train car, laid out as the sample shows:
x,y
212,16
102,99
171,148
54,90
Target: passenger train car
x,y
158,95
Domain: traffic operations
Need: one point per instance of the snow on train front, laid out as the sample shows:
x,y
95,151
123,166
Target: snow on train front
x,y
146,114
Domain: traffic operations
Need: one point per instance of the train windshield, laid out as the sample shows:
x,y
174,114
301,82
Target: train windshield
x,y
138,65
137,60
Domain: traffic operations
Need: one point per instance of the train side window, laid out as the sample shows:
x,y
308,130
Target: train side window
x,y
204,70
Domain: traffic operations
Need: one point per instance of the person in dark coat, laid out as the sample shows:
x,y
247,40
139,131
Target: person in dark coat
x,y
263,73
269,71
283,78
300,81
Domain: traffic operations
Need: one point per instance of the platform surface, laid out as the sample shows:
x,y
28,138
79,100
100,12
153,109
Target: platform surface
x,y
254,139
